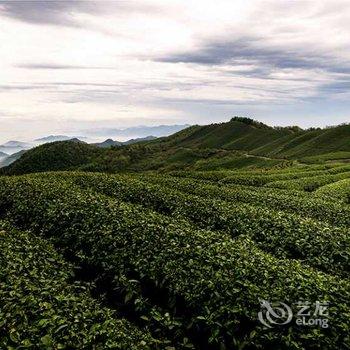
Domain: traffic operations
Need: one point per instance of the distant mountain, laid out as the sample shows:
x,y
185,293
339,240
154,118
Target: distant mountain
x,y
12,158
16,144
3,155
109,142
140,139
76,140
138,131
12,147
132,135
54,138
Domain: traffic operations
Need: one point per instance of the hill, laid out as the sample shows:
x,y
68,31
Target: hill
x,y
237,134
309,143
239,143
60,155
260,139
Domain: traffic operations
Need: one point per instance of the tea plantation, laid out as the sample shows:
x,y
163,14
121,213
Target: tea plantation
x,y
174,260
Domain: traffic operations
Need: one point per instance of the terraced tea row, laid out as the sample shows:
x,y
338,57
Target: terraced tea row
x,y
309,184
339,190
319,207
41,309
289,178
217,280
284,235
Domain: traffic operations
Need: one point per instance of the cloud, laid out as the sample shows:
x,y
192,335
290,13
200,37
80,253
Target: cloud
x,y
46,12
337,87
256,52
202,61
55,66
63,12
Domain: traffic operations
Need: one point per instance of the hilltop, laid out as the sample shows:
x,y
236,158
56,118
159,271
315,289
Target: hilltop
x,y
60,155
239,143
259,139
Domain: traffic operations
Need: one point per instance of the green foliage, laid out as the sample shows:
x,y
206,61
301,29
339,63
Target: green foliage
x,y
287,235
250,121
41,309
321,207
61,155
336,191
209,283
309,184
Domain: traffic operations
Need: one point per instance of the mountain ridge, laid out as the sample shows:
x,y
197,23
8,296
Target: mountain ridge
x,y
240,142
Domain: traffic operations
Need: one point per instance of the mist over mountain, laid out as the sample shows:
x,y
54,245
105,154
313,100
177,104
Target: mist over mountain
x,y
9,159
13,150
3,155
16,144
53,138
12,147
136,131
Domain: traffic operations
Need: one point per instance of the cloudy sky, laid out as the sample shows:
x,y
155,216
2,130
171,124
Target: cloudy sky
x,y
76,65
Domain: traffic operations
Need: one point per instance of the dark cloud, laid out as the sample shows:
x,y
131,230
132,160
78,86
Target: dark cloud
x,y
337,87
248,50
252,51
62,12
46,12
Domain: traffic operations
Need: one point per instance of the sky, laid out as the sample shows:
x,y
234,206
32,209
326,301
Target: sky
x,y
70,66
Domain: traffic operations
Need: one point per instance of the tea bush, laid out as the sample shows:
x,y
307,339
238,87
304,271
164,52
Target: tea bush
x,y
211,283
41,309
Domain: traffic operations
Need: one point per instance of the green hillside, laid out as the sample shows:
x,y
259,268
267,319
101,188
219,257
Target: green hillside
x,y
237,134
260,139
309,143
239,143
60,155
